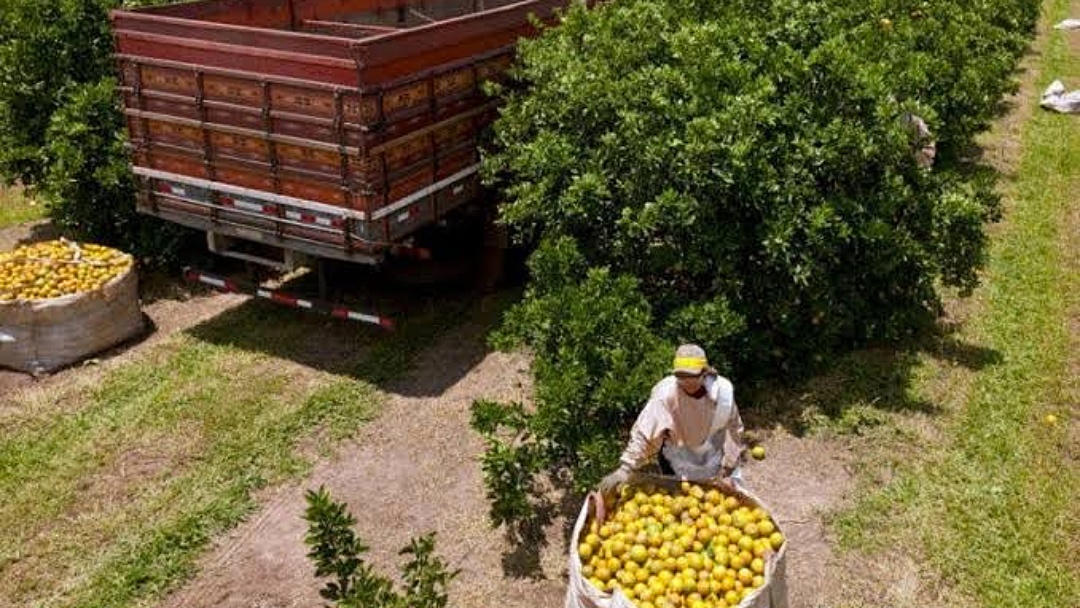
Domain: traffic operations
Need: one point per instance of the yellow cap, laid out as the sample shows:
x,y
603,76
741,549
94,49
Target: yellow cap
x,y
689,359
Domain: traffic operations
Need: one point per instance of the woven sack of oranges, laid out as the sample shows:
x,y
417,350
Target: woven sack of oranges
x,y
665,543
61,301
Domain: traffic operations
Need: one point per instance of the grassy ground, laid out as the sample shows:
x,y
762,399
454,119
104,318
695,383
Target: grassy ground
x,y
113,487
985,494
16,208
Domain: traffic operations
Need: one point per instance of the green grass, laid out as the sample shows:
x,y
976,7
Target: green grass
x,y
202,427
991,504
16,207
111,492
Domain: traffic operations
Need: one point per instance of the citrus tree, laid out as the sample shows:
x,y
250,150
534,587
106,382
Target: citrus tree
x,y
741,174
47,48
61,127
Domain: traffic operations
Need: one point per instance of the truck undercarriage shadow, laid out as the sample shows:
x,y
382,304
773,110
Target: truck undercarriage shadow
x,y
422,308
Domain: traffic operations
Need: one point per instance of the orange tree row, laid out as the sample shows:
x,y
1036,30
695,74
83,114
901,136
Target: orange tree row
x,y
61,129
738,173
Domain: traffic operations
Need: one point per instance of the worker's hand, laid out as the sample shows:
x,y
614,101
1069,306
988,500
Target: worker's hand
x,y
611,483
723,479
726,484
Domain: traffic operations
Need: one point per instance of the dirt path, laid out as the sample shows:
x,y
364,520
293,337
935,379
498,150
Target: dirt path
x,y
415,470
801,480
411,471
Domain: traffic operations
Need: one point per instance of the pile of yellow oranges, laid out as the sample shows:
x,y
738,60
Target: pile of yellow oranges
x,y
692,548
57,268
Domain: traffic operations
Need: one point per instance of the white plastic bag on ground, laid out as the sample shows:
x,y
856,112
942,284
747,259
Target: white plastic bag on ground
x,y
1055,98
1068,24
580,593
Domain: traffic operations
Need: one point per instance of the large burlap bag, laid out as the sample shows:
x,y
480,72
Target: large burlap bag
x,y
580,593
40,336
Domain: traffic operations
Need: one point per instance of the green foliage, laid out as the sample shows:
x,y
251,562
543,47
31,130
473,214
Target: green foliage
x,y
46,47
337,553
510,462
740,174
426,577
61,128
88,183
595,358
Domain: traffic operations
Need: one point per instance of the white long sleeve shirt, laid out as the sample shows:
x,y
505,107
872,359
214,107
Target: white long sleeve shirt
x,y
685,421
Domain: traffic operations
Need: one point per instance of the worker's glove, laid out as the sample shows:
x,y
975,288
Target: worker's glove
x,y
616,478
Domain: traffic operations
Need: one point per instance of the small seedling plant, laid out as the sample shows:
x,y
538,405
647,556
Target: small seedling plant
x,y
338,553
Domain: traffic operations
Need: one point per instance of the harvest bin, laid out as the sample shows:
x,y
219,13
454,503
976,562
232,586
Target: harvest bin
x,y
582,594
337,128
39,336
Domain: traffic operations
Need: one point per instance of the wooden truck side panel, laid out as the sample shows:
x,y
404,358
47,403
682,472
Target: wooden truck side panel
x,y
243,121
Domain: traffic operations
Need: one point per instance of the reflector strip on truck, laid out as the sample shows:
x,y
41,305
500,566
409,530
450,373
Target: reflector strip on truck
x,y
248,193
223,203
334,310
425,191
308,218
242,204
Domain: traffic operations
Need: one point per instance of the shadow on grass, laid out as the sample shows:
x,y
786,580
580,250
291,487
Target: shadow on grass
x,y
361,350
859,389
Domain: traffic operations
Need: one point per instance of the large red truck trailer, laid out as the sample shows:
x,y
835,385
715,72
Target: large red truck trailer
x,y
324,128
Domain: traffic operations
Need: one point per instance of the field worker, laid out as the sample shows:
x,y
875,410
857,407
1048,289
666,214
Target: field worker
x,y
690,423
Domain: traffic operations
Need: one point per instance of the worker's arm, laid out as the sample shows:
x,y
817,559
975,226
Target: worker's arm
x,y
646,436
646,439
733,442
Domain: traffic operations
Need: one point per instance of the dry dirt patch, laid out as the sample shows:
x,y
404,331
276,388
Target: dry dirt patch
x,y
415,470
411,471
801,479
